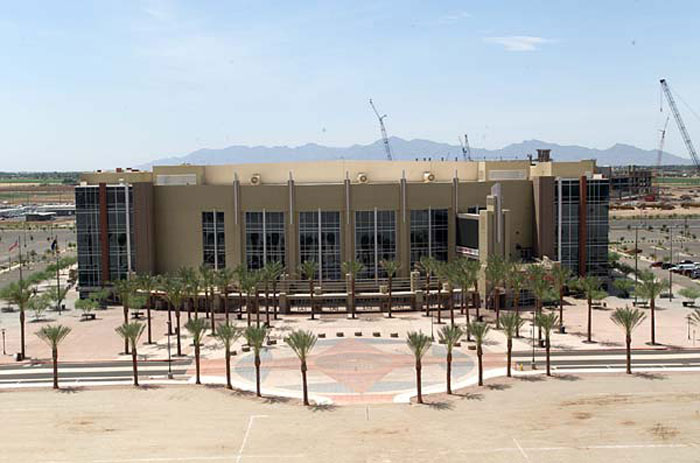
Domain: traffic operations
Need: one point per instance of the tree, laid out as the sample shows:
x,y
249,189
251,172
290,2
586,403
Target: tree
x,y
146,283
302,342
419,344
536,276
650,288
450,335
240,273
694,317
266,279
511,324
390,267
691,294
352,268
276,269
427,264
175,293
561,277
248,283
208,278
86,305
469,277
480,330
547,322
308,269
495,272
18,293
624,285
590,286
228,334
38,303
124,289
191,286
223,278
255,337
56,295
131,332
197,327
628,319
440,269
516,281
53,335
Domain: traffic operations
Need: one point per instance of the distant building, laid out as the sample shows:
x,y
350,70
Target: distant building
x,y
629,181
334,211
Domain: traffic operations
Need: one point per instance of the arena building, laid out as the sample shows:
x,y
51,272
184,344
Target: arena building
x,y
334,211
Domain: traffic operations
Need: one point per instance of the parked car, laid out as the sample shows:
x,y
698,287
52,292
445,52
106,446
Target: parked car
x,y
658,263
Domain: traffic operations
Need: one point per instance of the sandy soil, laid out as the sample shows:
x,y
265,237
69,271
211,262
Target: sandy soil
x,y
646,418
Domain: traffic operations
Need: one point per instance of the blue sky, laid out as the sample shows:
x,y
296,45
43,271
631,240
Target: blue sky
x,y
117,83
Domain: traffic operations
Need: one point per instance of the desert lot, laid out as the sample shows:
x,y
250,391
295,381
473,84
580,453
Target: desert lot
x,y
643,418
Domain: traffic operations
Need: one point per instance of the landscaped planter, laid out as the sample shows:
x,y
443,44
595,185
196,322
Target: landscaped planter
x,y
376,334
321,335
358,333
394,335
340,334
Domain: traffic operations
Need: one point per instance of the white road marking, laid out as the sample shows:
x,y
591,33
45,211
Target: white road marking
x,y
245,436
522,452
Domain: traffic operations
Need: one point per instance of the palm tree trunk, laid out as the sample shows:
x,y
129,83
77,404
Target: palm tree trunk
x,y
190,303
477,300
177,331
628,345
427,294
257,308
479,354
213,318
352,282
497,306
439,303
228,368
419,388
267,305
303,383
126,320
274,300
311,298
196,306
449,372
652,305
466,316
257,374
590,316
516,301
389,302
148,319
54,353
546,349
248,308
196,361
561,308
226,306
170,318
509,356
538,310
451,305
134,365
21,332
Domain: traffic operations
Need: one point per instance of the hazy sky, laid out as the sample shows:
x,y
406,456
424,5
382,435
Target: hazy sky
x,y
116,83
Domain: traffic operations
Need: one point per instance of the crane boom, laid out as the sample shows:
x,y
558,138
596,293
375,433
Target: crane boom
x,y
466,150
681,125
385,138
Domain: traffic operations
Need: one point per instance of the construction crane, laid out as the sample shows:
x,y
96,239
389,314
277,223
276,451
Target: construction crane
x,y
466,150
681,125
385,138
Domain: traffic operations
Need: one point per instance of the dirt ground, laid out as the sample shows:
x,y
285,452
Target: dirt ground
x,y
646,418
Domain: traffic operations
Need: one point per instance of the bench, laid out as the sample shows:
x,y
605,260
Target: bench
x,y
88,316
137,315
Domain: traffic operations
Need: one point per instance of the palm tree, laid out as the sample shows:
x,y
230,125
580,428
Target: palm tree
x,y
427,264
480,330
390,267
308,270
191,282
223,279
628,319
147,283
694,317
561,277
353,268
266,279
419,344
469,279
255,337
53,335
495,272
228,334
440,269
125,290
240,272
131,332
516,281
175,292
302,342
590,286
538,283
197,327
276,269
511,324
208,276
450,335
547,323
248,281
650,288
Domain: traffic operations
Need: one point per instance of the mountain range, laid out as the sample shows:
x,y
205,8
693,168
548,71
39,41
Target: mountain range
x,y
616,155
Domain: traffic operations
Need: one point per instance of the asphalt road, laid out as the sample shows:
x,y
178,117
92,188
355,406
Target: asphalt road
x,y
613,358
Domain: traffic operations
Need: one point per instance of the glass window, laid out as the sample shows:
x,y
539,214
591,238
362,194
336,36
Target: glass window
x,y
265,240
213,239
375,240
429,231
327,252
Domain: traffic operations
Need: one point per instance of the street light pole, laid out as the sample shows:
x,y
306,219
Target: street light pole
x,y
170,370
534,366
4,352
636,259
670,261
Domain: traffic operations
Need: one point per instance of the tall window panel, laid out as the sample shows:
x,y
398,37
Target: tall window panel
x,y
566,218
375,240
319,240
120,220
265,241
87,220
597,205
213,239
429,228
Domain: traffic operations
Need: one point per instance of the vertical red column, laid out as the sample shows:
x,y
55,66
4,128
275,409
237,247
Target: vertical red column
x,y
582,225
104,235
